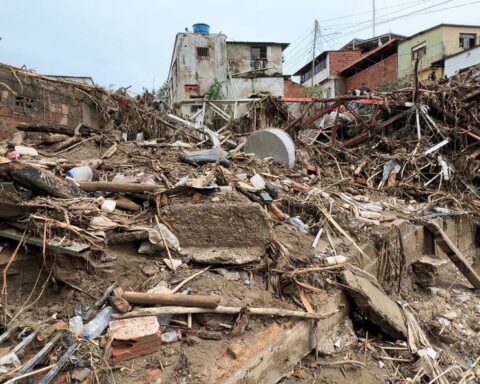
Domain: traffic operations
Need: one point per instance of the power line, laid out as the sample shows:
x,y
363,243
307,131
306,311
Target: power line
x,y
352,31
364,12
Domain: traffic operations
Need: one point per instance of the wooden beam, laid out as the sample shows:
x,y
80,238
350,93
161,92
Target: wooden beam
x,y
94,186
276,312
142,298
365,135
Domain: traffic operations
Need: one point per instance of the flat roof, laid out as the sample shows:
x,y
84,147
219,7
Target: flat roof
x,y
441,26
283,45
373,40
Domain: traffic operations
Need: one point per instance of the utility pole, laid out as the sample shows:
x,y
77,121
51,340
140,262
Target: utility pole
x,y
373,18
315,33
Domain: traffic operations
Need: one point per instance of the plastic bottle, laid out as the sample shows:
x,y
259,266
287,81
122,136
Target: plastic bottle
x,y
95,327
334,260
171,336
80,174
76,325
299,224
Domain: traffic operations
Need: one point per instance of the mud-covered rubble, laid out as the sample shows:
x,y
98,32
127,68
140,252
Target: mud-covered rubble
x,y
156,249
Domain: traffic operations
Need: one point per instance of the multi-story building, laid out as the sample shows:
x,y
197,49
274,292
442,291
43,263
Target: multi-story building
x,y
431,46
329,64
325,71
374,68
237,69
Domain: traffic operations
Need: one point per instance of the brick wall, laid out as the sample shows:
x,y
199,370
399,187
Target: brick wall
x,y
292,89
27,98
376,75
340,59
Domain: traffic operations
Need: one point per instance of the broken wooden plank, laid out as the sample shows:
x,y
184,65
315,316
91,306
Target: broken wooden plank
x,y
270,353
454,254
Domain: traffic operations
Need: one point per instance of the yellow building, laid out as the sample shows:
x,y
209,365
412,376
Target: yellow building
x,y
432,45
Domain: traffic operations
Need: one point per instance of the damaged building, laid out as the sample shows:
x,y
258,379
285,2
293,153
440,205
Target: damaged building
x,y
205,64
26,97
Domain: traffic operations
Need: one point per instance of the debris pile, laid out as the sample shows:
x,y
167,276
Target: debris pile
x,y
159,248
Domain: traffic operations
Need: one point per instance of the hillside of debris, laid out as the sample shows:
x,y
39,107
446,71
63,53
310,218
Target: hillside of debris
x,y
319,240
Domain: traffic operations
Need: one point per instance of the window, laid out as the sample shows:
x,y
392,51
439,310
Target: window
x,y
320,65
259,53
419,51
202,53
305,76
191,88
467,40
24,102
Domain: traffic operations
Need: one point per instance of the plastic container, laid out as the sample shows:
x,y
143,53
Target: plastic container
x,y
108,205
119,178
26,151
95,327
76,325
257,181
80,174
155,237
171,336
299,224
201,28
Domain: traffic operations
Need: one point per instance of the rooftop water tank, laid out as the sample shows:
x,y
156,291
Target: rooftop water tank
x,y
202,29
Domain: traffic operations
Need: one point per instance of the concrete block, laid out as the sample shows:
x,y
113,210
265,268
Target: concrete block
x,y
220,233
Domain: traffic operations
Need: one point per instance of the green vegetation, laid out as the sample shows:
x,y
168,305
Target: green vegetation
x,y
162,92
314,91
215,91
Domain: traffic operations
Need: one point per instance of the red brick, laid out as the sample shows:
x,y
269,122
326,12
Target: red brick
x,y
340,59
375,75
130,349
292,89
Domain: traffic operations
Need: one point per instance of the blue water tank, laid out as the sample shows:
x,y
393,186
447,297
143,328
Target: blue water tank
x,y
200,28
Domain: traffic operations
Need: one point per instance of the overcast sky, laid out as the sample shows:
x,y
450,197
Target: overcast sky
x,y
126,42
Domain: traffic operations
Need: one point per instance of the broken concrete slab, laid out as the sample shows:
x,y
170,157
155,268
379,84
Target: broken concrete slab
x,y
220,233
428,270
272,142
377,306
270,353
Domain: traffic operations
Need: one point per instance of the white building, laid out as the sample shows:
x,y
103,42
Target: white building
x,y
243,69
462,60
